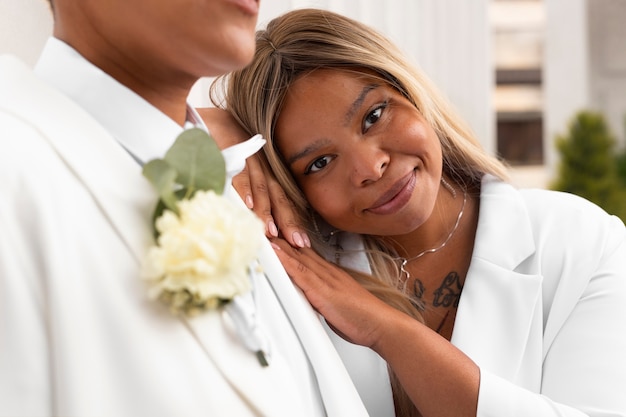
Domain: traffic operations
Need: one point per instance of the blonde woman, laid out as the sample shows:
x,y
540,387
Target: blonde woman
x,y
484,300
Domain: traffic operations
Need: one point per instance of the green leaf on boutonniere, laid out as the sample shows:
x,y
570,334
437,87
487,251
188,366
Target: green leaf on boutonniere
x,y
193,163
198,162
162,176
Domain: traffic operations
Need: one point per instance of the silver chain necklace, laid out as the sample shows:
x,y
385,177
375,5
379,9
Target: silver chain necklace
x,y
405,261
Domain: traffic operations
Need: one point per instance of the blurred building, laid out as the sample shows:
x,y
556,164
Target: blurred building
x,y
552,59
518,39
585,64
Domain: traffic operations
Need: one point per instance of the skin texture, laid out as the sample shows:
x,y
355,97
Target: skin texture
x,y
194,38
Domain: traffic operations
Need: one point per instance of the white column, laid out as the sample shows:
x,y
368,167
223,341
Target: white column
x,y
566,70
454,48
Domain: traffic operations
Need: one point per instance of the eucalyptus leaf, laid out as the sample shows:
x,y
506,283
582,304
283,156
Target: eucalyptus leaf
x,y
198,161
162,176
160,208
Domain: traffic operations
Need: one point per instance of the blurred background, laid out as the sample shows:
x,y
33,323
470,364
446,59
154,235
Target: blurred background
x,y
541,82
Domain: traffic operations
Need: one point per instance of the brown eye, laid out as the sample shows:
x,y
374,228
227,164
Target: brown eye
x,y
372,117
318,164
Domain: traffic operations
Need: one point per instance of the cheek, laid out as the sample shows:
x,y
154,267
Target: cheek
x,y
327,201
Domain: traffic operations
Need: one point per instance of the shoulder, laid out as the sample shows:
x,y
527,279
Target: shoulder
x,y
563,228
573,218
30,113
23,144
550,212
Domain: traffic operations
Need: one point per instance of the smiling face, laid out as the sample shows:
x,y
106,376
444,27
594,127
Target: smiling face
x,y
363,155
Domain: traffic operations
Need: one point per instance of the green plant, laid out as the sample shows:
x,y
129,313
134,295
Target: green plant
x,y
621,161
589,165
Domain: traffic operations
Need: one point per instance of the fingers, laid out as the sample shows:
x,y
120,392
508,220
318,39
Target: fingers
x,y
257,196
242,184
284,214
308,274
308,270
350,309
262,193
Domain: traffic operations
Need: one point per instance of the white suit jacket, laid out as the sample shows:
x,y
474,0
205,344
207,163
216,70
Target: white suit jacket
x,y
543,309
78,336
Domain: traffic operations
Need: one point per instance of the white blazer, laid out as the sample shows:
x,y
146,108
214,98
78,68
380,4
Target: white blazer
x,y
543,309
78,336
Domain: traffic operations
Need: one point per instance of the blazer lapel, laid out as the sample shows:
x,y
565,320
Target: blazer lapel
x,y
264,389
500,311
109,173
338,392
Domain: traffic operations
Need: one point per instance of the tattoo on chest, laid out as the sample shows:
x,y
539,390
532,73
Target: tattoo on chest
x,y
418,292
448,293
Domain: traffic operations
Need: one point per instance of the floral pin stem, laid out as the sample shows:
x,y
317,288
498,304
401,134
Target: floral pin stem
x,y
205,243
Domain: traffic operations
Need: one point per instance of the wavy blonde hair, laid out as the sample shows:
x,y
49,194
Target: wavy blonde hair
x,y
302,41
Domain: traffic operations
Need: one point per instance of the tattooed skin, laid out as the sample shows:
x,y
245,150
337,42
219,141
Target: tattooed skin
x,y
448,293
418,292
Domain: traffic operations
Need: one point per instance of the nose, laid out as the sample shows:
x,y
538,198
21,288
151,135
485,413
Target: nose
x,y
369,162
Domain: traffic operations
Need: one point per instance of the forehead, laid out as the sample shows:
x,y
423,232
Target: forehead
x,y
320,105
324,91
338,80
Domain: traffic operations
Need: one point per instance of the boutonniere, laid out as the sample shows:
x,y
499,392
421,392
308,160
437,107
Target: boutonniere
x,y
204,243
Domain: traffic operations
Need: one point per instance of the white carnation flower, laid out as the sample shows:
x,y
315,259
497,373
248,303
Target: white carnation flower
x,y
203,255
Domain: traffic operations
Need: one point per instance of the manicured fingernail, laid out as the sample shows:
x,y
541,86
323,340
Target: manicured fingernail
x,y
272,228
307,241
275,246
249,201
298,239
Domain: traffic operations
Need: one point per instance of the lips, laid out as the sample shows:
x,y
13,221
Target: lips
x,y
250,7
396,197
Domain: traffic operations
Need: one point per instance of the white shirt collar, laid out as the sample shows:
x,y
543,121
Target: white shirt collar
x,y
141,128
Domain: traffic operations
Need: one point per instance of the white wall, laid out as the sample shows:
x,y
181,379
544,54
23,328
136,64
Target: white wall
x,y
449,39
24,27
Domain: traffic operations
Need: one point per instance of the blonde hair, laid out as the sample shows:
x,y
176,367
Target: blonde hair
x,y
302,41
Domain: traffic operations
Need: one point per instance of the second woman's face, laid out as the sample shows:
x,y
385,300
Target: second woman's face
x,y
363,155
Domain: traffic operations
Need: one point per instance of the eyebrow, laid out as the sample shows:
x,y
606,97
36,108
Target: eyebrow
x,y
308,150
348,117
359,100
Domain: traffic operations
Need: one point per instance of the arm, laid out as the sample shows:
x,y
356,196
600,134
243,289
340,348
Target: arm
x,y
438,377
256,184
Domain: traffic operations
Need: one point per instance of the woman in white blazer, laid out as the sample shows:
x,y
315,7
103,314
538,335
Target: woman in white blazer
x,y
79,335
517,299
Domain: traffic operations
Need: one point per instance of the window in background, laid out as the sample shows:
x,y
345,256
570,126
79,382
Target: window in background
x,y
518,36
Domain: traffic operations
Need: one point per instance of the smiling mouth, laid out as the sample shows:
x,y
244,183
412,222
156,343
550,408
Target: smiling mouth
x,y
396,197
250,7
